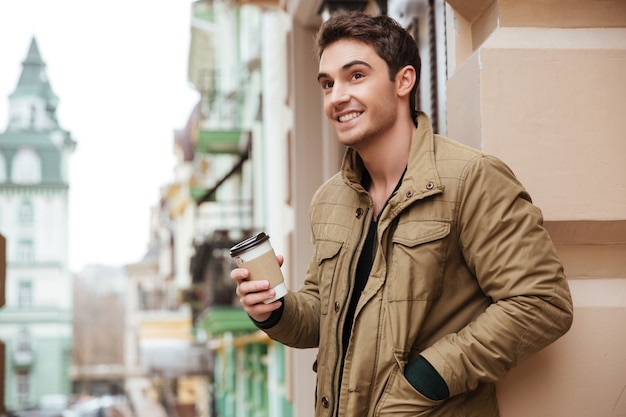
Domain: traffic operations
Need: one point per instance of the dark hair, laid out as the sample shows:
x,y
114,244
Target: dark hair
x,y
391,42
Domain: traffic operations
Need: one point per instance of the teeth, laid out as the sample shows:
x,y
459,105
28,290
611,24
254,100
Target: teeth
x,y
349,116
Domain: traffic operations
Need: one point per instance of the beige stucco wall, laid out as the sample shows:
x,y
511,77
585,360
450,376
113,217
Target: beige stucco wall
x,y
542,85
550,102
583,373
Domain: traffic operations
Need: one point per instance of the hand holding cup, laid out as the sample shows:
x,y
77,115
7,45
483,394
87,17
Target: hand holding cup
x,y
260,282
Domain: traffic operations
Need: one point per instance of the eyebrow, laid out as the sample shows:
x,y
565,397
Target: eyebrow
x,y
344,68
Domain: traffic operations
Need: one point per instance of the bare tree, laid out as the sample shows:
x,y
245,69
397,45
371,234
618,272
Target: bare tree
x,y
98,325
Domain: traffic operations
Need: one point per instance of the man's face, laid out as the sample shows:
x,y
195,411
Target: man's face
x,y
359,98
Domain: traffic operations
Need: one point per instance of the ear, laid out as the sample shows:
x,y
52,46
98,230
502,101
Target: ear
x,y
405,80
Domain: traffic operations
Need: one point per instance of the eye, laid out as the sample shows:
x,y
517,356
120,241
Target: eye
x,y
326,84
357,75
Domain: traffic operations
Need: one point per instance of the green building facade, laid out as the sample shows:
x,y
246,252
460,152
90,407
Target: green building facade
x,y
36,321
249,376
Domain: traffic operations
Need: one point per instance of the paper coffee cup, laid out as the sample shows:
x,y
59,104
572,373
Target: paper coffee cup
x,y
257,256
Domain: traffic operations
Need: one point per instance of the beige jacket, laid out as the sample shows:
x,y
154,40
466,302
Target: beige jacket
x,y
464,275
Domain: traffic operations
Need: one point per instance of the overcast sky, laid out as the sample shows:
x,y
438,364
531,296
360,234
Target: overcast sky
x,y
119,69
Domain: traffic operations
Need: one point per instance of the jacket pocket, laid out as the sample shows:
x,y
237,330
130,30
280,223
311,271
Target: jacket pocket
x,y
401,399
418,260
326,256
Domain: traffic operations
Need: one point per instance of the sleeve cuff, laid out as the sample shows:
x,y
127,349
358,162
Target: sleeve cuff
x,y
274,318
425,379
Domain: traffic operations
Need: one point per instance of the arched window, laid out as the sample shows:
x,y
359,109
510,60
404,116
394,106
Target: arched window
x,y
26,167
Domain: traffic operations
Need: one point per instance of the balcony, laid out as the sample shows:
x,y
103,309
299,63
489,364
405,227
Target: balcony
x,y
23,358
221,141
216,321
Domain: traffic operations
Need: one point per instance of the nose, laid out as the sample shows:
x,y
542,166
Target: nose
x,y
338,95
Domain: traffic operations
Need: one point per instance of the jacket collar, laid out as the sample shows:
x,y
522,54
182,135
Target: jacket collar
x,y
421,178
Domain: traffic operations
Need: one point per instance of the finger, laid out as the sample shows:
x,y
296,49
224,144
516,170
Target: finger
x,y
239,274
249,287
259,311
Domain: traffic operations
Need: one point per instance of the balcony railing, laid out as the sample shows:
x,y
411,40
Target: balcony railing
x,y
23,358
232,215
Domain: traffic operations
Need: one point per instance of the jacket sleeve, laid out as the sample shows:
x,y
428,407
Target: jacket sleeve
x,y
505,245
298,326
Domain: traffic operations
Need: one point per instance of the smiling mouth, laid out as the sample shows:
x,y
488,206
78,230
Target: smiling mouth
x,y
349,116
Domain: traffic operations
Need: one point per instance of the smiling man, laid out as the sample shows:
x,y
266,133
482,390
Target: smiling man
x,y
432,274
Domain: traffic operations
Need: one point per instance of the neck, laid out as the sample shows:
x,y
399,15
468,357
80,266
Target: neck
x,y
386,164
386,159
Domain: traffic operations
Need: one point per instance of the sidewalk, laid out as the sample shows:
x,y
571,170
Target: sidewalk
x,y
146,407
121,410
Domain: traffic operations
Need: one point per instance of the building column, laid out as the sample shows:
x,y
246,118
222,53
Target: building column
x,y
541,85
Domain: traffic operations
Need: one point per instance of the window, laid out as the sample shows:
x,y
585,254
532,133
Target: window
x,y
425,20
26,212
22,385
23,341
26,167
3,168
25,294
25,251
23,356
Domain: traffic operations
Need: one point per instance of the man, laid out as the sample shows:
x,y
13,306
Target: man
x,y
432,274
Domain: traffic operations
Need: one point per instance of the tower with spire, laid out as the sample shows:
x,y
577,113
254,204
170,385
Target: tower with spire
x,y
36,323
